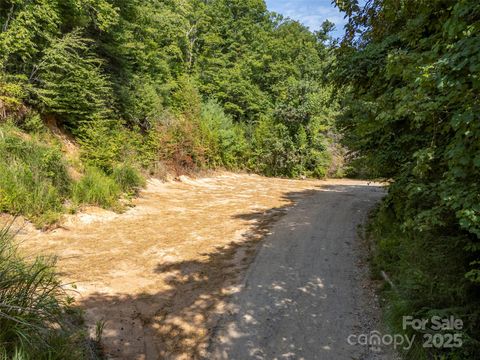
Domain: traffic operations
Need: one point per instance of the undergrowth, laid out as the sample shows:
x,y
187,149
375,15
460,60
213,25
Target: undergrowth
x,y
96,188
37,320
128,178
35,180
33,177
425,282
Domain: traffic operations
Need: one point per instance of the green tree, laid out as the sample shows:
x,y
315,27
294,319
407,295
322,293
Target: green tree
x,y
410,74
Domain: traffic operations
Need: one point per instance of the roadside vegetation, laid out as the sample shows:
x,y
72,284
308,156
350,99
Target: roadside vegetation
x,y
36,317
409,72
141,89
171,86
146,88
33,177
35,181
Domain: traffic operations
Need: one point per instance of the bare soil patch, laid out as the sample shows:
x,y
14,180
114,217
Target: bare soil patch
x,y
158,274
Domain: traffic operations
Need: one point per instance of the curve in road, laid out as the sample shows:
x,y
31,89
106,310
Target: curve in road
x,y
307,290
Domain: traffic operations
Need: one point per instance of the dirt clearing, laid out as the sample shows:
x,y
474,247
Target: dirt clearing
x,y
159,273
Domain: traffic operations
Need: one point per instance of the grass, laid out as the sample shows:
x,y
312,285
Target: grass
x,y
128,178
34,180
36,319
33,177
96,188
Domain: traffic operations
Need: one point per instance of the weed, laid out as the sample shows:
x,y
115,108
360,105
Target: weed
x,y
96,188
34,308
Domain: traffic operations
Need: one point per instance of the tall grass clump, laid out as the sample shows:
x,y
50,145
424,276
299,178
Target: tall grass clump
x,y
36,320
96,188
33,177
128,178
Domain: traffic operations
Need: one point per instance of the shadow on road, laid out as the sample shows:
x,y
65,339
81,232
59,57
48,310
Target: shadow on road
x,y
177,322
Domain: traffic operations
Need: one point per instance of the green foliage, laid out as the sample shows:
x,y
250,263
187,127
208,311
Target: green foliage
x,y
33,177
32,123
224,140
115,73
128,178
230,54
426,269
70,82
63,75
274,149
96,188
141,102
12,94
34,180
412,114
27,29
103,144
35,320
296,151
106,144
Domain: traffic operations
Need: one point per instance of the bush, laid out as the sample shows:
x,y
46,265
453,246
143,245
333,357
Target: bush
x,y
292,152
35,314
128,178
33,177
427,282
274,153
33,123
34,181
96,188
225,141
105,143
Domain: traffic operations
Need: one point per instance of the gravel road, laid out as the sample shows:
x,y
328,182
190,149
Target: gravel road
x,y
308,288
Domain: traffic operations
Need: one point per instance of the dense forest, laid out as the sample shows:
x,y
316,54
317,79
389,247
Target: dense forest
x,y
410,71
97,95
153,86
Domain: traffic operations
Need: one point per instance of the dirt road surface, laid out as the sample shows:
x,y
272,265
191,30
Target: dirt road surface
x,y
306,290
161,275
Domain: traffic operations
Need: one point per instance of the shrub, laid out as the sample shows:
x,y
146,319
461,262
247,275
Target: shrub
x,y
426,280
104,143
96,188
292,152
128,178
141,102
35,313
32,123
225,141
33,177
179,143
274,153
